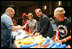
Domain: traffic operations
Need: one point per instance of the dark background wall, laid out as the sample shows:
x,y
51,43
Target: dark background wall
x,y
30,6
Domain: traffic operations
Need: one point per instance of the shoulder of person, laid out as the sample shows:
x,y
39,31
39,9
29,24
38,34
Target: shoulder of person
x,y
4,16
45,16
34,20
56,21
68,20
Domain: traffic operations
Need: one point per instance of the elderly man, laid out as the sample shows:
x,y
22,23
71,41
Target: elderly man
x,y
45,27
63,24
7,26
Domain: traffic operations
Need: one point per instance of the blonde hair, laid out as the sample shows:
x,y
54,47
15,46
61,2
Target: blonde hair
x,y
59,10
30,14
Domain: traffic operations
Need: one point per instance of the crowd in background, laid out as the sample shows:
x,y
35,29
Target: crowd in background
x,y
18,21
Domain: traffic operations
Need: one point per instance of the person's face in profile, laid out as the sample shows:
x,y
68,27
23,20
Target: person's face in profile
x,y
56,15
12,13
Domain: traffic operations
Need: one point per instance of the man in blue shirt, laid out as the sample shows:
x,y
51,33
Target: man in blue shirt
x,y
7,26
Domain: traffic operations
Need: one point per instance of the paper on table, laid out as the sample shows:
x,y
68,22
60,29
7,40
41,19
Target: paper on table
x,y
20,34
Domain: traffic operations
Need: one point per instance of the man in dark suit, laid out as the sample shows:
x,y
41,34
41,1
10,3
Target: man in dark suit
x,y
44,27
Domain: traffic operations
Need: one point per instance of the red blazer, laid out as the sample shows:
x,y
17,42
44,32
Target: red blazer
x,y
23,23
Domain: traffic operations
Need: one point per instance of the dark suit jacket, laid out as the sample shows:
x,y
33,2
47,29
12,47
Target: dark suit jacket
x,y
45,27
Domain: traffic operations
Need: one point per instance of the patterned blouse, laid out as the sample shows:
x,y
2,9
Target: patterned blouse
x,y
32,25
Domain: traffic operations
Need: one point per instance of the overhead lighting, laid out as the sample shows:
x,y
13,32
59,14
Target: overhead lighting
x,y
45,7
59,3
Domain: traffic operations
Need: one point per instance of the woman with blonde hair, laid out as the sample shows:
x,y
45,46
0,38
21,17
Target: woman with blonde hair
x,y
64,25
32,23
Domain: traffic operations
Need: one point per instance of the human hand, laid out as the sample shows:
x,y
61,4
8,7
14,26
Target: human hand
x,y
23,28
19,27
63,40
57,39
36,34
68,46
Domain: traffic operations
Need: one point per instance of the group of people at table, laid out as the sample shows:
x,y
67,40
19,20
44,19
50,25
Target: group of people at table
x,y
31,25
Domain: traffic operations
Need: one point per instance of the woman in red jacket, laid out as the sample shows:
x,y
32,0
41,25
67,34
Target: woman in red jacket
x,y
24,21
